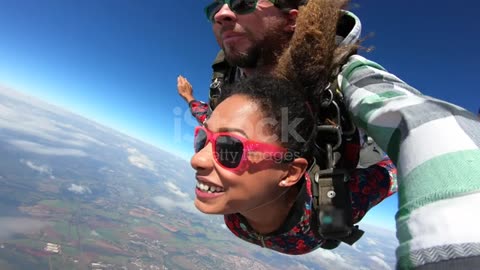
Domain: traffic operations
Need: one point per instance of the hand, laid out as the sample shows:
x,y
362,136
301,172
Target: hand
x,y
185,89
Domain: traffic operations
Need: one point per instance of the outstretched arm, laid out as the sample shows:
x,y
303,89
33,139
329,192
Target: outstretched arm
x,y
198,108
436,147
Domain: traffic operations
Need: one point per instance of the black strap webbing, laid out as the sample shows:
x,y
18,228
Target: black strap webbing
x,y
332,204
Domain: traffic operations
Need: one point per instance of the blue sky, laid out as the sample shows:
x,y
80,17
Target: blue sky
x,y
116,61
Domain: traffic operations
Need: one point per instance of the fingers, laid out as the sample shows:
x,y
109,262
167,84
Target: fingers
x,y
183,82
184,88
181,78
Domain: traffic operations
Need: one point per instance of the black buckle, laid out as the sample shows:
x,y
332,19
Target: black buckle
x,y
215,88
332,203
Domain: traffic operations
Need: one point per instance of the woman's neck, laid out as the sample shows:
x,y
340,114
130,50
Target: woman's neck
x,y
270,217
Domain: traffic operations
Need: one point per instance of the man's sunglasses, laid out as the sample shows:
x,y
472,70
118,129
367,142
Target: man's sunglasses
x,y
233,152
237,6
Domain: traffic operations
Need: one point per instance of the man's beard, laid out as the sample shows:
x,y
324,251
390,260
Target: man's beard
x,y
248,59
262,53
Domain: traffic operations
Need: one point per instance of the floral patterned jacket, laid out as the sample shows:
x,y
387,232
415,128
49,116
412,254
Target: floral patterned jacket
x,y
298,234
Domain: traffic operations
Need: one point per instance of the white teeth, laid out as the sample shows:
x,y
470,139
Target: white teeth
x,y
207,188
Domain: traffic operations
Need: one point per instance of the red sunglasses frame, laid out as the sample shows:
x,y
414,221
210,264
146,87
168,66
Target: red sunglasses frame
x,y
274,151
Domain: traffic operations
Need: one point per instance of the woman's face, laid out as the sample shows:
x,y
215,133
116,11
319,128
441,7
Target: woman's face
x,y
237,192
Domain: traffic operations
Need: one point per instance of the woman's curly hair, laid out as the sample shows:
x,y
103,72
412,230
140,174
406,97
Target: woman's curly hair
x,y
284,109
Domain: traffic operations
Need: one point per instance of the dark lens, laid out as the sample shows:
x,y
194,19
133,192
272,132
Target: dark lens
x,y
229,151
200,140
213,8
243,6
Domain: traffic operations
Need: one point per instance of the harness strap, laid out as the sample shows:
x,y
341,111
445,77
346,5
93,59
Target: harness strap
x,y
222,73
332,203
329,175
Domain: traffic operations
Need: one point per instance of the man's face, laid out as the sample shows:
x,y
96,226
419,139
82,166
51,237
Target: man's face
x,y
252,39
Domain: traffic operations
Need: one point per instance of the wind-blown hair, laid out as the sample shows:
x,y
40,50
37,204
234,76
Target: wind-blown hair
x,y
313,55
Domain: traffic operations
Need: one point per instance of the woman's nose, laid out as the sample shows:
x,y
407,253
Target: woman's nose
x,y
203,159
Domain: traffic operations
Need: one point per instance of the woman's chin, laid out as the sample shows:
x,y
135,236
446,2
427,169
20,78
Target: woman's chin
x,y
207,208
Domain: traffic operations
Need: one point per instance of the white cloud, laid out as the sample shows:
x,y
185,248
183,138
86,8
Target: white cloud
x,y
356,247
39,168
78,136
380,262
79,189
32,101
176,190
46,150
36,120
171,205
370,241
39,126
300,266
378,254
331,256
10,226
325,258
140,160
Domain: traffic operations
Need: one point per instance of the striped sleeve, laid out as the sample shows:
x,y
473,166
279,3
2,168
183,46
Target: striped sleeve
x,y
436,148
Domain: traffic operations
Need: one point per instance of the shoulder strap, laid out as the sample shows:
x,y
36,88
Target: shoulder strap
x,y
337,155
223,74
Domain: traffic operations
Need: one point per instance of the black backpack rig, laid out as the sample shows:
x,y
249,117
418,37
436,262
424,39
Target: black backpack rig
x,y
336,156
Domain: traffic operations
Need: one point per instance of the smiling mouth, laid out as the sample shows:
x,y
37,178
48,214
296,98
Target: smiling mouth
x,y
209,189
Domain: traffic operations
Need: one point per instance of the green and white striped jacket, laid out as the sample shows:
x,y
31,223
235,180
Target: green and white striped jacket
x,y
436,148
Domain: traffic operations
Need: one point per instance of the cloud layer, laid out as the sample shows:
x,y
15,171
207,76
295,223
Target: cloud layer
x,y
35,126
172,205
77,189
39,168
9,226
140,160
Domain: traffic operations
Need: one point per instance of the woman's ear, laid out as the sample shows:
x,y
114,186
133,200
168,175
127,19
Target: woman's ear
x,y
291,20
296,170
